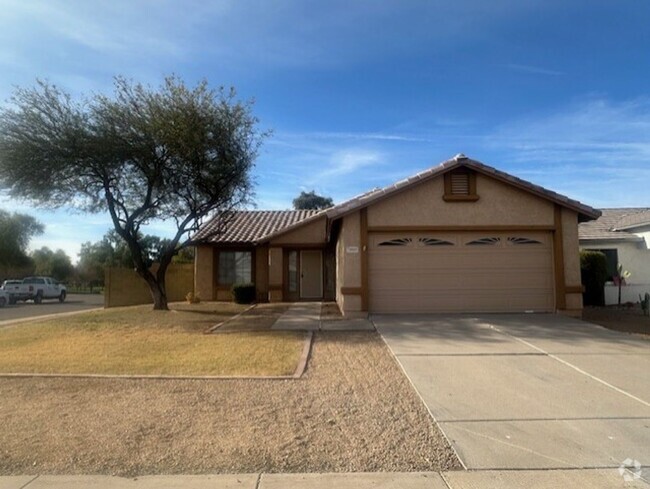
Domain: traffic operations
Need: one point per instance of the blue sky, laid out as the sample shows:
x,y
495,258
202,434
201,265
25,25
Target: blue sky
x,y
362,93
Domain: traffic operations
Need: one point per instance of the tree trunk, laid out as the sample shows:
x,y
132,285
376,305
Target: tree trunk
x,y
157,288
620,285
159,295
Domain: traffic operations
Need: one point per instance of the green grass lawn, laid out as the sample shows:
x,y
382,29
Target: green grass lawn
x,y
139,341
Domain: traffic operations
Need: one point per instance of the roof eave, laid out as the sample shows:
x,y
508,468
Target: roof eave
x,y
631,226
615,239
585,213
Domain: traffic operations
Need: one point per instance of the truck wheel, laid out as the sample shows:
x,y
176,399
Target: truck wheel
x,y
62,296
39,298
3,302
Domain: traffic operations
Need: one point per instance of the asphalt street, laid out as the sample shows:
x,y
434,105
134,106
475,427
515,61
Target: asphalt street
x,y
73,303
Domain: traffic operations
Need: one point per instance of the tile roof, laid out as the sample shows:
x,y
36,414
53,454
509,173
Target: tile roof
x,y
248,227
607,226
634,219
460,160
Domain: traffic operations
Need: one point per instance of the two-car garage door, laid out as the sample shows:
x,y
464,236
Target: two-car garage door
x,y
460,272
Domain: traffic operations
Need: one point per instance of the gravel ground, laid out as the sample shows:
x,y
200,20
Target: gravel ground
x,y
626,319
353,410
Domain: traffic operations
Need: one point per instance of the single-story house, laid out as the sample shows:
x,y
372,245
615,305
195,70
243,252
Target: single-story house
x,y
459,237
623,235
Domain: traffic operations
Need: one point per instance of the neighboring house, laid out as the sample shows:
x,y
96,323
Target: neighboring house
x,y
459,237
624,236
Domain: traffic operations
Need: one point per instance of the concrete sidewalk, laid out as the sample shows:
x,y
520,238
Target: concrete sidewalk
x,y
531,479
306,316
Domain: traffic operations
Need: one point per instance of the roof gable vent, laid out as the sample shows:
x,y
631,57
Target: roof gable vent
x,y
459,183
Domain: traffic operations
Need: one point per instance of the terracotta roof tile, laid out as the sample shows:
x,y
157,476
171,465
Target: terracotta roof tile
x,y
607,225
247,227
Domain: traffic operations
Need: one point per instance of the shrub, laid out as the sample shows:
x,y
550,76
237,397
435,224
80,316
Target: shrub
x,y
192,298
243,293
593,271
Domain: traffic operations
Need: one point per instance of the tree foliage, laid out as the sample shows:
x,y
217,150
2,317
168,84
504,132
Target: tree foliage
x,y
16,231
54,264
112,251
311,200
170,154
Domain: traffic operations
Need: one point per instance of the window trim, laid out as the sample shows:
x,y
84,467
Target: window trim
x,y
218,284
471,196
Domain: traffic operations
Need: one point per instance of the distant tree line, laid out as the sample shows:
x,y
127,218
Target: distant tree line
x,y
16,261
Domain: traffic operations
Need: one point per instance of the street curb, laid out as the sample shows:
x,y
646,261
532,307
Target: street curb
x,y
11,322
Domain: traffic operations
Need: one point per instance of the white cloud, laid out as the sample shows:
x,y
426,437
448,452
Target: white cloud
x,y
597,150
350,161
534,70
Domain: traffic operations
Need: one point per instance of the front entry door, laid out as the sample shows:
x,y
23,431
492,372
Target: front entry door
x,y
311,274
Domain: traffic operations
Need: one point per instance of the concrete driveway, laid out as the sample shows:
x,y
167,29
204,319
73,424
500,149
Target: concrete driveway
x,y
529,391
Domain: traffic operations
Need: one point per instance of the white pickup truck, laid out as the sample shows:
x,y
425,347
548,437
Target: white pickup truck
x,y
36,289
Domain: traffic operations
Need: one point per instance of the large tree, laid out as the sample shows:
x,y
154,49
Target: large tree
x,y
16,231
112,251
311,200
174,154
50,263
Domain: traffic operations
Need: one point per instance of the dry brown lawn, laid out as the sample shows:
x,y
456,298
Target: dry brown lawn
x,y
353,410
139,341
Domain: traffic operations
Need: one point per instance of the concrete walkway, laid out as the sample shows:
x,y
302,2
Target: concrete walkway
x,y
530,479
529,391
306,316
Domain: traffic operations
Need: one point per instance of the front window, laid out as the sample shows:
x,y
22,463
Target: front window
x,y
293,271
235,267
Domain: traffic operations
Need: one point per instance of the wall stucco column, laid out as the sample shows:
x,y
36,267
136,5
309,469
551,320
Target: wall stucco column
x,y
276,274
203,271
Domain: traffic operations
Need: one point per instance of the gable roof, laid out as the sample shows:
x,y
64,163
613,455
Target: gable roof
x,y
613,223
253,227
250,227
460,160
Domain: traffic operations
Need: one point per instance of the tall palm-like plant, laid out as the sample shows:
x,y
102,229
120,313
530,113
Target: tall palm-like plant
x,y
619,279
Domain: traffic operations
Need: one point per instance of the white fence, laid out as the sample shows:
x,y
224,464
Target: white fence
x,y
629,293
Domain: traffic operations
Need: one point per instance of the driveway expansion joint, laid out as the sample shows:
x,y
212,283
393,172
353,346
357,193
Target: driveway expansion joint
x,y
24,486
570,365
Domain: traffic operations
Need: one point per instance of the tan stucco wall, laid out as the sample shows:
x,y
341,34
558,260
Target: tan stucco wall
x,y
223,295
124,287
312,233
348,265
499,204
203,271
276,274
571,261
262,272
571,247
